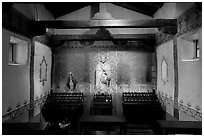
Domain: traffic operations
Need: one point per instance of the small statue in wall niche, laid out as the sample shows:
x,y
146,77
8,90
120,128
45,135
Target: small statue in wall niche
x,y
71,82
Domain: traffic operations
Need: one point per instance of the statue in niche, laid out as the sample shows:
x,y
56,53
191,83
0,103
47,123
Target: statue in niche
x,y
71,82
103,75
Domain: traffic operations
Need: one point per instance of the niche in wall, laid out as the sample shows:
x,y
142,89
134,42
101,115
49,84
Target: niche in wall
x,y
43,71
18,51
164,70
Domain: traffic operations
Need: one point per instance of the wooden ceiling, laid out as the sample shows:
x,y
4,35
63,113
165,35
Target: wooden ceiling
x,y
62,8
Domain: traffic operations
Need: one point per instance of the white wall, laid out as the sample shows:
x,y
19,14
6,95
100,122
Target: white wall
x,y
165,51
172,10
40,89
190,75
81,14
15,78
168,11
117,12
182,7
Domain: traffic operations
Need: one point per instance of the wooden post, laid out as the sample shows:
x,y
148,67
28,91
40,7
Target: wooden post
x,y
52,71
145,23
32,53
94,9
176,82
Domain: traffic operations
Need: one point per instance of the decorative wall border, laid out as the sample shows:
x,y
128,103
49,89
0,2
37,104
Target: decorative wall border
x,y
163,38
188,22
137,45
165,100
43,39
20,110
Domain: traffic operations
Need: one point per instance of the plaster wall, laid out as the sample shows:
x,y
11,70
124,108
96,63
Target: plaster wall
x,y
15,78
117,12
40,89
190,78
130,68
165,52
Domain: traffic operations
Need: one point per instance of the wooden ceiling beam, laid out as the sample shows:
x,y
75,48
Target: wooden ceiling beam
x,y
112,37
154,4
146,23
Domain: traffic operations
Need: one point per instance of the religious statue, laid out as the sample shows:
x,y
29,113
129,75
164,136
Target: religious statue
x,y
71,82
103,75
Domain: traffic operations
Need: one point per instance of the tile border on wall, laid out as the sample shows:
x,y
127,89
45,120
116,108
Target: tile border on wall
x,y
14,114
167,100
188,22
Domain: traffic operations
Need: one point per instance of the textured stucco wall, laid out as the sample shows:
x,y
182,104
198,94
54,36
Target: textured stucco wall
x,y
165,51
130,67
81,14
119,12
40,89
15,78
190,78
172,10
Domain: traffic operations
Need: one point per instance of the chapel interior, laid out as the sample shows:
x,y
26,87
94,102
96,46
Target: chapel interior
x,y
101,68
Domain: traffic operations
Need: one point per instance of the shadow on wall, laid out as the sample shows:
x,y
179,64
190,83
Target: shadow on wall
x,y
86,78
148,77
123,74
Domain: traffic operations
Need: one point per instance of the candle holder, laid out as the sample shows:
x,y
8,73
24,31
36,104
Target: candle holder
x,y
181,104
197,112
188,107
